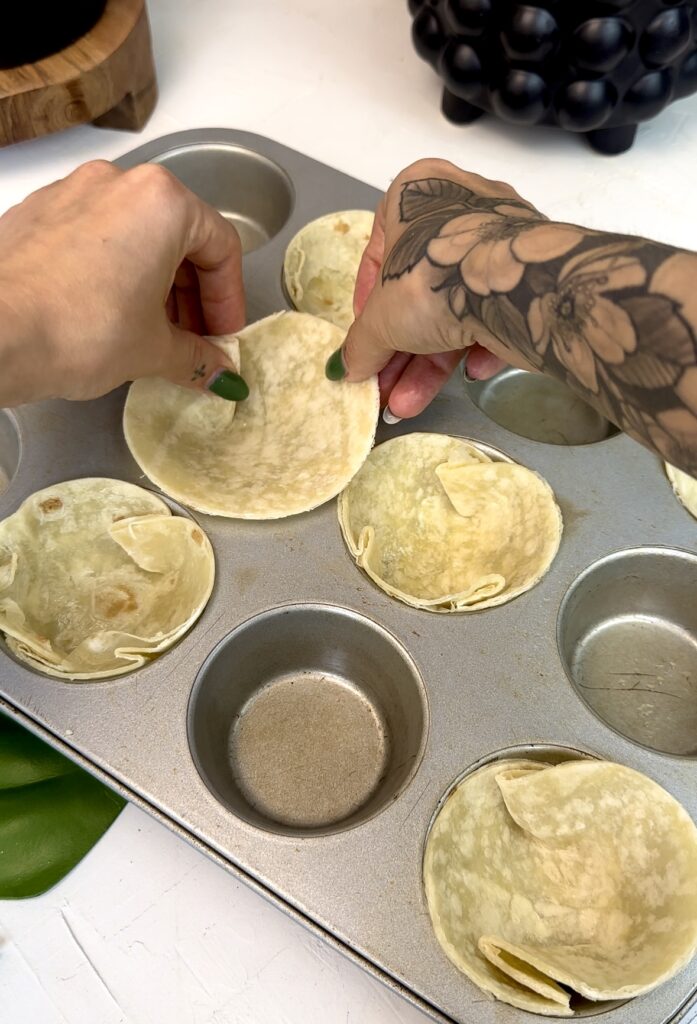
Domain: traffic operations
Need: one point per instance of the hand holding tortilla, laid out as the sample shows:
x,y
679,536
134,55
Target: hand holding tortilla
x,y
110,275
294,444
460,265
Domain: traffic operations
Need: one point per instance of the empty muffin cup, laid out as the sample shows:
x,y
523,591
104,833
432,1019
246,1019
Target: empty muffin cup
x,y
307,720
250,191
10,448
539,408
627,634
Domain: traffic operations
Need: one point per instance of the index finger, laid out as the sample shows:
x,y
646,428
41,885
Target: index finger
x,y
371,261
213,247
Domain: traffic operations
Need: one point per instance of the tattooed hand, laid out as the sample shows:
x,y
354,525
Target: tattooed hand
x,y
110,275
458,262
413,319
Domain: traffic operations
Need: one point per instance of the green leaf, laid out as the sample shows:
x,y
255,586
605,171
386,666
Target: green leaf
x,y
24,759
51,813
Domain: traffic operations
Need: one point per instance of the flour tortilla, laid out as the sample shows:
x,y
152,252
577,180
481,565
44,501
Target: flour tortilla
x,y
685,486
97,576
439,525
321,264
293,444
582,874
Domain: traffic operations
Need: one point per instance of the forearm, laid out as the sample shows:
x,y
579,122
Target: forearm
x,y
613,316
613,320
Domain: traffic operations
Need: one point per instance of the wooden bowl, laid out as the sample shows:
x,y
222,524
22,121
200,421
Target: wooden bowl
x,y
106,77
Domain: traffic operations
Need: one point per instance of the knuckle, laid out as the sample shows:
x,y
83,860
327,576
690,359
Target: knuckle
x,y
155,178
357,347
363,341
504,188
347,353
427,167
196,364
435,167
94,170
198,355
232,232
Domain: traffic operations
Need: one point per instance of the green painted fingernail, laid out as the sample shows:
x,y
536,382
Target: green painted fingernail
x,y
229,385
335,368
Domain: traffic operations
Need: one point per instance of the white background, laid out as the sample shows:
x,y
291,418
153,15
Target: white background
x,y
146,930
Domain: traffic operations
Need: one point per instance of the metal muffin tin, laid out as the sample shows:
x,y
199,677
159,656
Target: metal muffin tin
x,y
293,628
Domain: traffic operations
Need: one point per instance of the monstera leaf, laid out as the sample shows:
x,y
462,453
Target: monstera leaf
x,y
51,813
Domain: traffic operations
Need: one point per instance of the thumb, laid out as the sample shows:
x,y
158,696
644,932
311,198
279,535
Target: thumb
x,y
362,354
371,261
196,362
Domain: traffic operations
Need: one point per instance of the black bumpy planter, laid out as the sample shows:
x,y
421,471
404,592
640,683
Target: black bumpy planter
x,y
597,67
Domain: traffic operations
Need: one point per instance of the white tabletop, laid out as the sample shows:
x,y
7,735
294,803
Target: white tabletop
x,y
146,930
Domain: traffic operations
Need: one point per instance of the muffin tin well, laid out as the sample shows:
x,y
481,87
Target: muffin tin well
x,y
251,191
628,640
539,408
295,640
307,719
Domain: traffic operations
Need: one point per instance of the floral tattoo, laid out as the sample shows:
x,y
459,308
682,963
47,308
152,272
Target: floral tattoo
x,y
613,316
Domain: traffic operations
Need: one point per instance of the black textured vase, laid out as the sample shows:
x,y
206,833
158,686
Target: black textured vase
x,y
597,67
